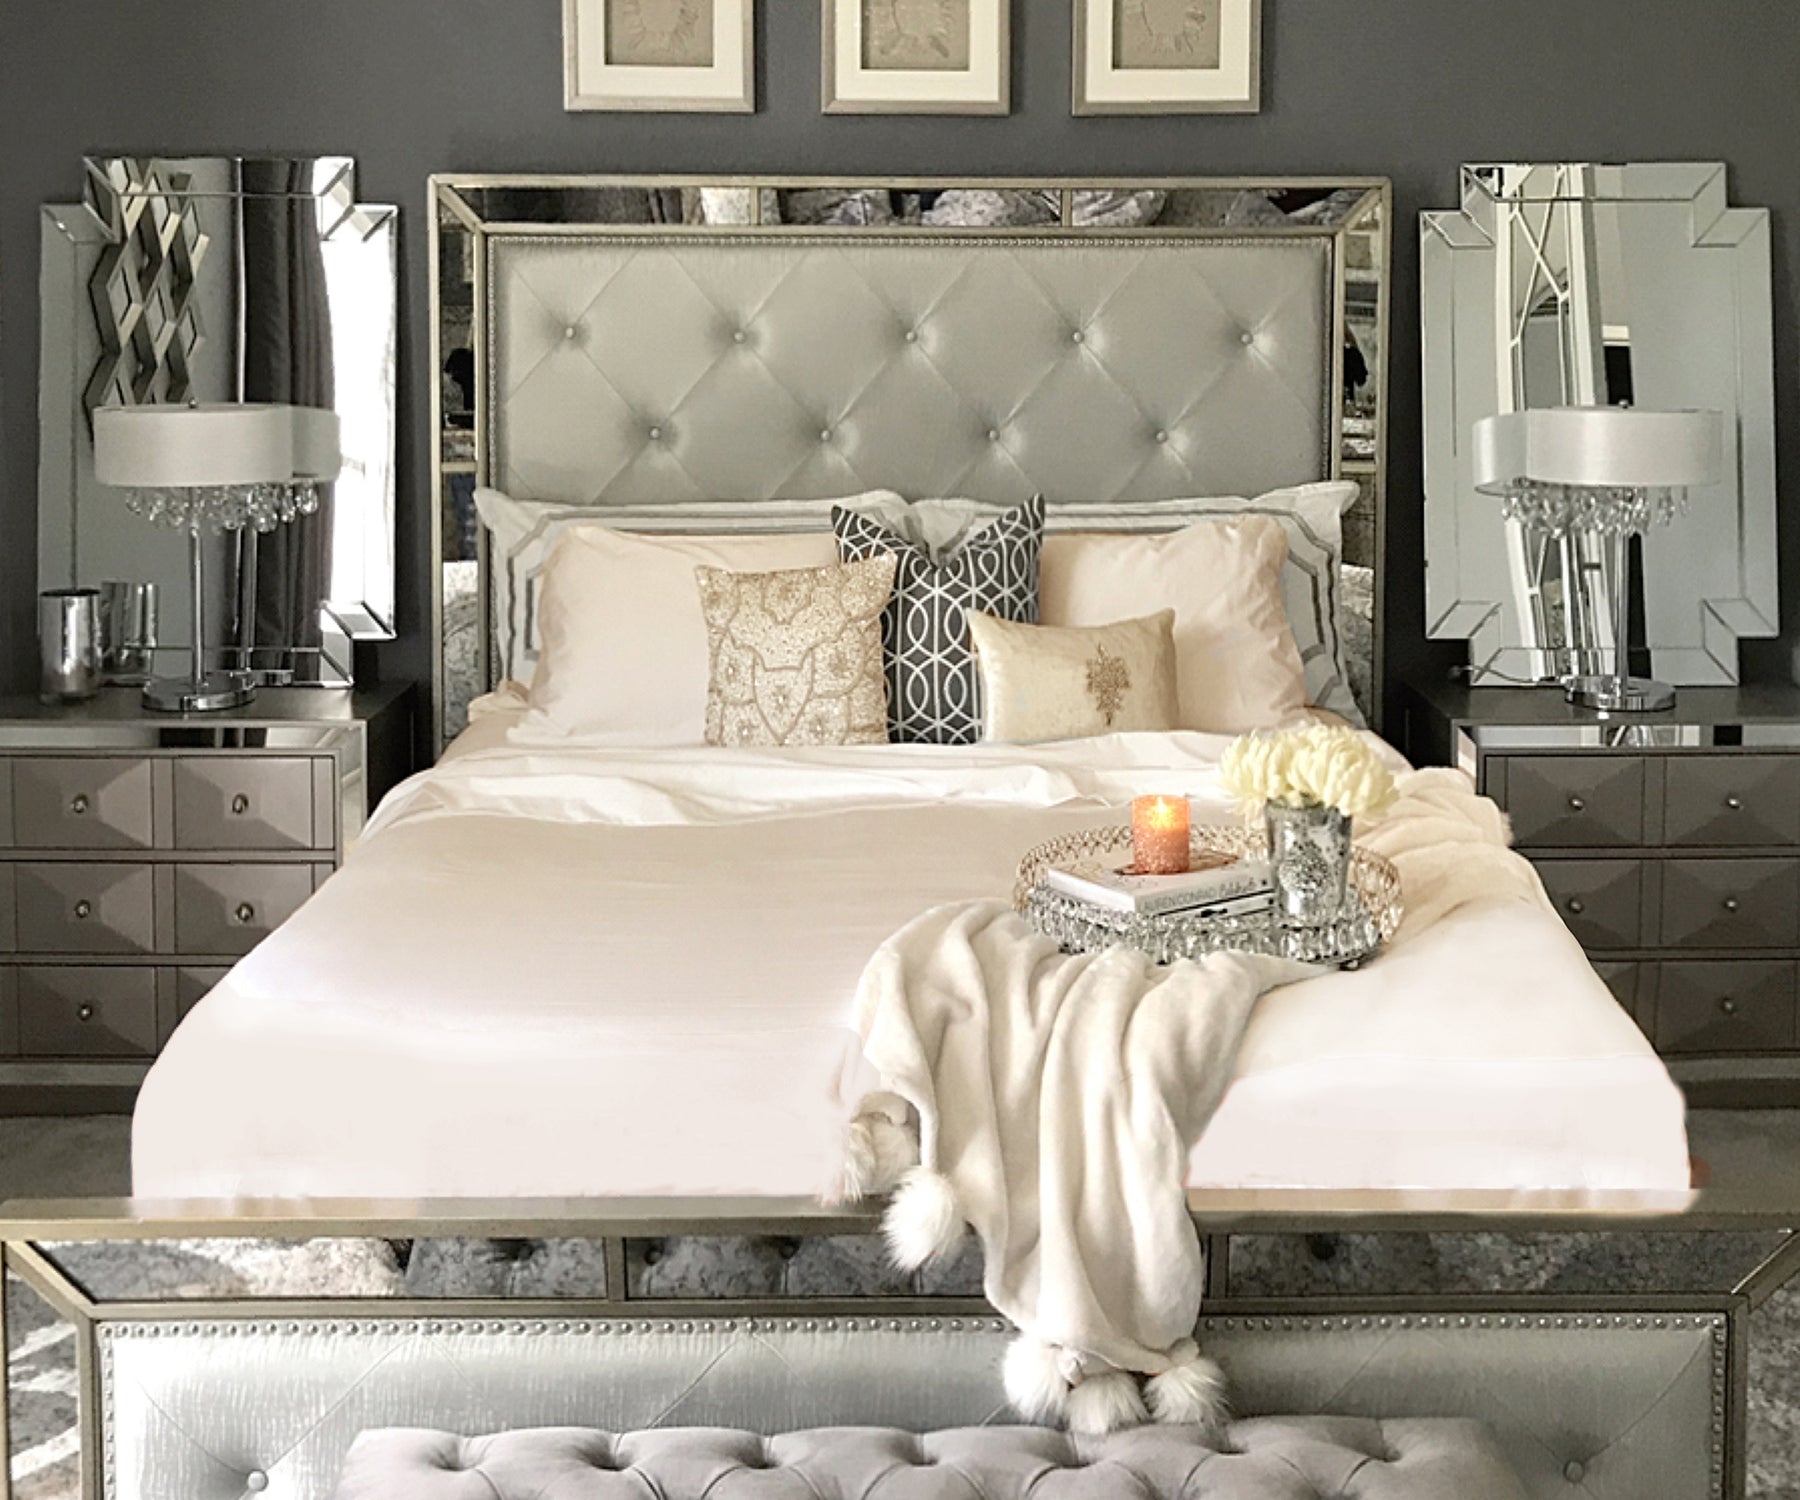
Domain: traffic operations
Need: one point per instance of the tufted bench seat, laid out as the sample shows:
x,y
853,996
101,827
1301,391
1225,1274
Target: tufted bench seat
x,y
1313,1458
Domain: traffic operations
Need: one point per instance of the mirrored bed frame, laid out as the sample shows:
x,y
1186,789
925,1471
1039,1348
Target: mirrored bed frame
x,y
588,357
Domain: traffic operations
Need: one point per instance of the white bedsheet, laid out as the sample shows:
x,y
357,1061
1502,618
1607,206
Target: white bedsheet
x,y
550,970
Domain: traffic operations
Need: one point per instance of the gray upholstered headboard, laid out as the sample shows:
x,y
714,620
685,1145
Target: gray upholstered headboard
x,y
626,370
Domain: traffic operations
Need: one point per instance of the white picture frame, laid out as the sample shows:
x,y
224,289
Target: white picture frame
x,y
925,57
691,55
1164,57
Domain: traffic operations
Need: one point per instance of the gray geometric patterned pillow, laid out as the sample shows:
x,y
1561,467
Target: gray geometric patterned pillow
x,y
933,685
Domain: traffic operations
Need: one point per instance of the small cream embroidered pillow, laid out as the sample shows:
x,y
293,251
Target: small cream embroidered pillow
x,y
1041,682
796,656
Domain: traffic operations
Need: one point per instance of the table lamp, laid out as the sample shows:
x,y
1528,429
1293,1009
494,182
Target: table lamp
x,y
1612,473
206,470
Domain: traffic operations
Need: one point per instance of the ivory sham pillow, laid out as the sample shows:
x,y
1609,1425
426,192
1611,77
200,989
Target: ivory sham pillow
x,y
622,641
796,656
1238,666
1039,682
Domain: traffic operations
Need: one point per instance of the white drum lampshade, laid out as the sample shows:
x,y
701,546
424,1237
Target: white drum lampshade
x,y
1608,471
206,469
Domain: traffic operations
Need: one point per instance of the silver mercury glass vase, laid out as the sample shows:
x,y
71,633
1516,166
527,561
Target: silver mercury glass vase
x,y
1309,856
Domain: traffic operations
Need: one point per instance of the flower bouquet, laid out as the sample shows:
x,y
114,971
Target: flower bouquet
x,y
1309,786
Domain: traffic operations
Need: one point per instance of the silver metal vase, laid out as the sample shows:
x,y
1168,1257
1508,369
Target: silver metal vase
x,y
1309,854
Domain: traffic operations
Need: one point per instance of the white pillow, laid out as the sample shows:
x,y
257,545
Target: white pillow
x,y
623,646
1237,666
1312,515
523,533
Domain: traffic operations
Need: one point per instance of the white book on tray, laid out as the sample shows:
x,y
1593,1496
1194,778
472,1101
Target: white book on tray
x,y
1242,886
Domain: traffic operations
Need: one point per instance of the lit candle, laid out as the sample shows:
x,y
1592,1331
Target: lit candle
x,y
1159,836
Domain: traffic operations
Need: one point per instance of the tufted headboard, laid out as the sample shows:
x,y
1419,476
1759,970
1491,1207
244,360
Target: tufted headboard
x,y
626,371
632,352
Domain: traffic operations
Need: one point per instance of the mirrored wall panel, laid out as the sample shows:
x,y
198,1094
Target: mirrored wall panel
x,y
226,279
1575,284
1352,218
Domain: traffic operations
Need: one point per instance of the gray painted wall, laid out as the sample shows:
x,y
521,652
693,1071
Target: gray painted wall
x,y
1406,88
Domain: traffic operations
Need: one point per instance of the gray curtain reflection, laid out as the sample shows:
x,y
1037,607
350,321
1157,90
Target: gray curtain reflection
x,y
287,353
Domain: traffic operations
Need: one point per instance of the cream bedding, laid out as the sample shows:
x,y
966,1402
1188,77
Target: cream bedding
x,y
554,970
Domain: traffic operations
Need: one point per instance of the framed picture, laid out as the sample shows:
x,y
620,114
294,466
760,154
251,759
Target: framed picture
x,y
660,54
1168,57
897,57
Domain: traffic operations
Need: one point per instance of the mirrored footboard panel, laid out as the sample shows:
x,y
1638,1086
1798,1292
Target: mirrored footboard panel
x,y
207,1357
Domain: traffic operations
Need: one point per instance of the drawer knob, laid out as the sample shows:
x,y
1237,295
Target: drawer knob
x,y
246,913
1734,804
83,910
85,1013
1577,804
1577,906
240,805
79,804
1733,905
1729,1007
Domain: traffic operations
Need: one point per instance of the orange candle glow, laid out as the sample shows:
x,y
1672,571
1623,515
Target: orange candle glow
x,y
1160,836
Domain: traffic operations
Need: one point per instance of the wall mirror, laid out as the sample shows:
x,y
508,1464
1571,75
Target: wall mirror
x,y
221,280
1575,284
477,221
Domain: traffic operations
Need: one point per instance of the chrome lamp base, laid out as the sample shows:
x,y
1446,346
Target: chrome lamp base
x,y
203,695
1621,695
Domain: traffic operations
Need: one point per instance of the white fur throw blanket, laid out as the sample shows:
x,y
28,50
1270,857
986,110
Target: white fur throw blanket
x,y
1051,1102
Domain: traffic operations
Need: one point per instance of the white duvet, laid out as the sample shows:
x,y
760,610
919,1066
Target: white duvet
x,y
554,970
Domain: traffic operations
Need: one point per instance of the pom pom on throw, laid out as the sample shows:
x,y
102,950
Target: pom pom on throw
x,y
1035,1381
877,1154
924,1221
1106,1403
1192,1394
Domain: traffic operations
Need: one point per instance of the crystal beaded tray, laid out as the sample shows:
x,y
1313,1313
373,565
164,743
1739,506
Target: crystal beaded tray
x,y
1372,918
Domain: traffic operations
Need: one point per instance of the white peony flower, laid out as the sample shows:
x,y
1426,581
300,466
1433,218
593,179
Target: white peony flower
x,y
1318,767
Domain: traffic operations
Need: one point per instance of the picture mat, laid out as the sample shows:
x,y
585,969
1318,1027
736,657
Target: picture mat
x,y
593,81
1235,85
983,87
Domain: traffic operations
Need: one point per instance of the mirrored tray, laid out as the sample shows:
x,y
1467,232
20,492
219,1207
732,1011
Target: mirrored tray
x,y
1371,917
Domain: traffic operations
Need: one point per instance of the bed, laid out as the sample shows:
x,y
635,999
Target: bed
x,y
558,965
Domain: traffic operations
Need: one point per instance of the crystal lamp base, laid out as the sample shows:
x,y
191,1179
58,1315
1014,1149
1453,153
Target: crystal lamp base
x,y
1631,695
210,694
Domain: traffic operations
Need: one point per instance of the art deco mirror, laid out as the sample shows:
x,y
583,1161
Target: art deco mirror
x,y
474,216
226,279
1574,284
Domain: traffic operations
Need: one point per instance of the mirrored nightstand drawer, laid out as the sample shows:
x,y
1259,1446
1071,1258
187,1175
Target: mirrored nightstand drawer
x,y
83,909
83,802
229,909
1726,1007
1602,900
1722,801
1731,903
244,802
87,1012
1575,801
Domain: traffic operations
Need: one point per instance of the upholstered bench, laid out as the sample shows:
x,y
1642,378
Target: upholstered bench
x,y
1315,1458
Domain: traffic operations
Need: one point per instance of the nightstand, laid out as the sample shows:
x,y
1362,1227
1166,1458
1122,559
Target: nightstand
x,y
1671,845
143,854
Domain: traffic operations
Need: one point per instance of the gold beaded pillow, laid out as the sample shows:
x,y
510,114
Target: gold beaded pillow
x,y
796,656
1044,682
